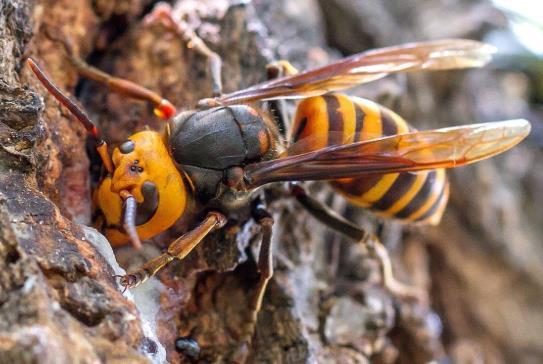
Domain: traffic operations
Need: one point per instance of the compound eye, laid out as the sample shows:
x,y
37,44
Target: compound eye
x,y
127,147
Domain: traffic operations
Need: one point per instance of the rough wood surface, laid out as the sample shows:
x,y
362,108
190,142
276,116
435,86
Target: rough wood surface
x,y
58,300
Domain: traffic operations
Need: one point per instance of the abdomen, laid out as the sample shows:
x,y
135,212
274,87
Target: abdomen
x,y
339,119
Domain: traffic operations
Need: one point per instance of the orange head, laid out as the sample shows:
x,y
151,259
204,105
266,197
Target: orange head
x,y
143,193
144,169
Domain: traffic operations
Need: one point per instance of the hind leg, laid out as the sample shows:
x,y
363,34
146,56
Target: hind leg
x,y
370,242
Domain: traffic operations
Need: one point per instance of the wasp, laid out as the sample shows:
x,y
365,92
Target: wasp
x,y
215,161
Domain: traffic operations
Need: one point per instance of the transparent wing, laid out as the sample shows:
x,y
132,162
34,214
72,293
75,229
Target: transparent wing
x,y
368,66
420,150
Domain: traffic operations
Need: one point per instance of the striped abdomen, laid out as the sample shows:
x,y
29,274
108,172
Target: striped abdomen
x,y
339,119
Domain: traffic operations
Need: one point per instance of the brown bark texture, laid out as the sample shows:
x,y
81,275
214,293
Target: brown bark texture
x,y
59,303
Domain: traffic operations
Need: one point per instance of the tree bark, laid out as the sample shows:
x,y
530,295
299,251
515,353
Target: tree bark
x,y
59,302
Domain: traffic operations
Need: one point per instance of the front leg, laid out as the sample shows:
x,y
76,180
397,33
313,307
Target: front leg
x,y
179,249
163,108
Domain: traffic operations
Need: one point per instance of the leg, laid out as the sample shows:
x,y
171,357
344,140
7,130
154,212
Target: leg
x,y
370,242
265,269
179,249
164,109
328,216
278,107
163,13
280,69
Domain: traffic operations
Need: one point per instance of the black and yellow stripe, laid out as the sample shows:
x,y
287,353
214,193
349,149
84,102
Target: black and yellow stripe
x,y
338,119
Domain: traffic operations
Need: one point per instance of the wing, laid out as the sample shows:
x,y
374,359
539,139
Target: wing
x,y
440,148
368,66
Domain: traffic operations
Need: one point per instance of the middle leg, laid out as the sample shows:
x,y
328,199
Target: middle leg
x,y
265,270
